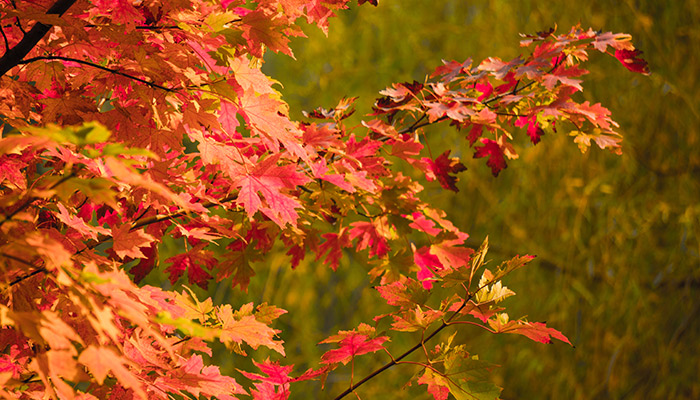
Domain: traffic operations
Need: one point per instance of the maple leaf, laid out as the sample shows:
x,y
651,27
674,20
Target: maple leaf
x,y
451,255
191,376
227,117
192,262
274,384
352,343
429,264
491,291
618,41
11,170
493,151
405,292
438,385
236,263
371,235
259,27
101,360
421,223
442,168
320,170
127,243
246,329
146,264
119,11
79,224
499,68
537,331
603,141
333,245
267,118
534,131
631,59
475,133
269,179
415,319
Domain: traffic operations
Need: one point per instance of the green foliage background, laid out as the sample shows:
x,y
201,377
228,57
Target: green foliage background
x,y
617,238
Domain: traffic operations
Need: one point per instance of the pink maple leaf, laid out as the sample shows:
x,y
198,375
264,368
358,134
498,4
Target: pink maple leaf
x,y
191,376
423,224
429,264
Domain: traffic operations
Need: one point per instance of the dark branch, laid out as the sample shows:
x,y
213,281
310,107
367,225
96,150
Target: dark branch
x,y
98,66
23,277
13,56
143,27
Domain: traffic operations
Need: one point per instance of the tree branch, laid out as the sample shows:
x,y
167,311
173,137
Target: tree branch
x,y
395,361
13,56
98,66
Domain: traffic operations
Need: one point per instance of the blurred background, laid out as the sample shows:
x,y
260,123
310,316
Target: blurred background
x,y
617,238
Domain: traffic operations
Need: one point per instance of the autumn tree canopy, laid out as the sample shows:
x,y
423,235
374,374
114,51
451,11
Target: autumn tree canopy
x,y
128,124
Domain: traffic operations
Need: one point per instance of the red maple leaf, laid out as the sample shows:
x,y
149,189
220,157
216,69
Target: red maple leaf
x,y
536,331
405,292
493,151
269,179
442,168
352,343
334,244
192,262
437,386
369,238
632,61
534,131
11,170
146,264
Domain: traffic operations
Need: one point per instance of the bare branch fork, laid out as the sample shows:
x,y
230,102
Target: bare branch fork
x,y
14,56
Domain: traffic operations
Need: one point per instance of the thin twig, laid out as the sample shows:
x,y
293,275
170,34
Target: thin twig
x,y
7,43
30,201
104,238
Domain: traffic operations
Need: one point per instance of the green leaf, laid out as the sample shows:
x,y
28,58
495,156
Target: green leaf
x,y
475,390
186,326
88,133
